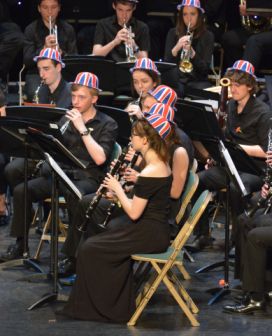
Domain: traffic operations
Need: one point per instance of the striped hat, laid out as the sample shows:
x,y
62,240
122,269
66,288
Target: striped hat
x,y
164,94
87,79
191,3
243,66
163,110
145,64
160,124
49,53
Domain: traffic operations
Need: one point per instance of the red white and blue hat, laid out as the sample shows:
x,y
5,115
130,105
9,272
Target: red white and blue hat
x,y
49,53
163,110
165,95
243,66
87,79
145,64
160,124
191,3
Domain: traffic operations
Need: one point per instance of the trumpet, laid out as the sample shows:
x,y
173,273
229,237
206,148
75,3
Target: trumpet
x,y
131,58
53,30
113,204
185,64
36,98
101,191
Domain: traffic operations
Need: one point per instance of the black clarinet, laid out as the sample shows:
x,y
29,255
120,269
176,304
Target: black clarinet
x,y
101,191
113,204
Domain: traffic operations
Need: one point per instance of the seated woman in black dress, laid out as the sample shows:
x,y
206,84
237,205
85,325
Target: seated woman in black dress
x,y
191,41
104,289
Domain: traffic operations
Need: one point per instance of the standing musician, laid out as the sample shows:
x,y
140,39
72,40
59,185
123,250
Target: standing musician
x,y
179,163
189,45
89,134
111,33
108,255
247,125
53,89
253,249
38,36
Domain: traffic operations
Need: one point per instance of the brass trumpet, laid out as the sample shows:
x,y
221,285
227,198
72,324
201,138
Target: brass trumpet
x,y
131,58
185,64
53,30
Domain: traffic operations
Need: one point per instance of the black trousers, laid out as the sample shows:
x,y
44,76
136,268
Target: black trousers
x,y
75,237
214,179
3,182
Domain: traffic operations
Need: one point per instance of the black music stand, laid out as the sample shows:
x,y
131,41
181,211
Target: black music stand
x,y
123,121
48,143
15,141
35,112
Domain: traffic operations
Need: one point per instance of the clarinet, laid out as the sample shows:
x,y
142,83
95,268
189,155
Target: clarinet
x,y
262,201
113,204
101,191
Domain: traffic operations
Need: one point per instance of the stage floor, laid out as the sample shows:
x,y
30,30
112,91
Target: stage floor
x,y
161,317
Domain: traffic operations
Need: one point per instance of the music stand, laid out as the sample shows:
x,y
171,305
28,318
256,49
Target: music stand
x,y
35,112
123,121
62,154
15,141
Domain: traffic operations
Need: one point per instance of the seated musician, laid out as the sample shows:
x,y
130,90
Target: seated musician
x,y
107,256
178,161
41,34
247,125
253,246
90,136
111,33
53,89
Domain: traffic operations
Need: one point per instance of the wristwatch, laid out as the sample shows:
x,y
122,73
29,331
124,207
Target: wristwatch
x,y
87,132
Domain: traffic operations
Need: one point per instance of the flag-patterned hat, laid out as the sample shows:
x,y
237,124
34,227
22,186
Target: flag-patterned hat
x,y
160,124
165,95
87,79
163,110
145,64
244,66
49,53
191,3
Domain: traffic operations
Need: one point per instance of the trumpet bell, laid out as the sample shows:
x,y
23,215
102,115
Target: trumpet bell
x,y
185,66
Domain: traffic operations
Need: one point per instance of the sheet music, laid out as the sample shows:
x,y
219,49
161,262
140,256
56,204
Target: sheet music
x,y
63,176
232,168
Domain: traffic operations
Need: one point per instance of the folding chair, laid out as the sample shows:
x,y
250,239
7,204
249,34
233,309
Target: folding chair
x,y
163,264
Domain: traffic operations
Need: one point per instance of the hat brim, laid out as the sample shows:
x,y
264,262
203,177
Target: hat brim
x,y
229,69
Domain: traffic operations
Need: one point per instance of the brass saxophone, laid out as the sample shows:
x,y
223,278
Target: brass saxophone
x,y
262,201
185,64
36,99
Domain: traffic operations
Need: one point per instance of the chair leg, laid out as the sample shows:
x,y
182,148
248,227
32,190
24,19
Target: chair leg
x,y
183,271
42,239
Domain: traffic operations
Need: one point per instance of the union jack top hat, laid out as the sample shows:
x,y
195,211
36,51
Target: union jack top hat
x,y
87,79
243,66
49,53
165,95
163,110
144,64
160,124
191,3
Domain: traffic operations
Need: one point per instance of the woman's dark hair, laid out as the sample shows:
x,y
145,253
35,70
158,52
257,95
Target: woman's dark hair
x,y
181,28
142,128
40,1
242,77
152,74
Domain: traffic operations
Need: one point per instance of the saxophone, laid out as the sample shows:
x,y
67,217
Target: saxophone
x,y
36,99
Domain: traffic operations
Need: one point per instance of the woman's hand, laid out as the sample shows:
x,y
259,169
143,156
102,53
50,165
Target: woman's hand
x,y
265,190
135,110
111,183
131,175
269,158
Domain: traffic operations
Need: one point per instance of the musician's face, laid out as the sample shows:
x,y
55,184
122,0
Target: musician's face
x,y
190,14
148,102
239,92
49,8
137,141
83,99
142,82
48,71
123,12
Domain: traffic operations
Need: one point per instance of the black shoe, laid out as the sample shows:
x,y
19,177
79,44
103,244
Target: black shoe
x,y
14,251
67,267
200,243
249,308
242,299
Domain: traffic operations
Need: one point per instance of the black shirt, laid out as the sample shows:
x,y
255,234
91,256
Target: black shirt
x,y
35,34
106,30
104,131
251,126
203,47
61,97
